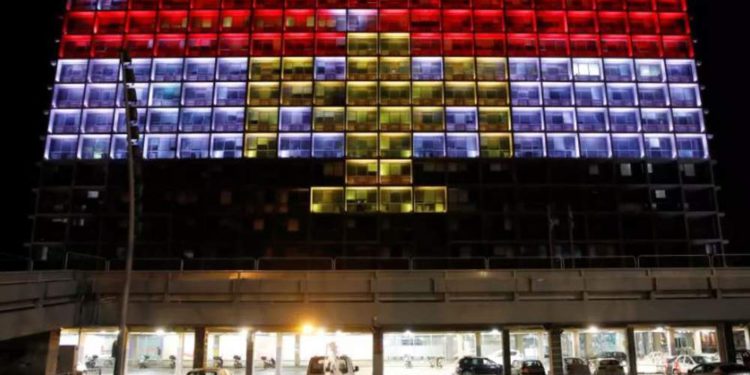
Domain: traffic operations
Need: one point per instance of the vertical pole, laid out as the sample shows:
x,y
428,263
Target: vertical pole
x,y
670,341
555,351
180,353
632,362
249,353
478,340
377,351
506,352
297,345
122,340
199,351
53,348
279,352
725,338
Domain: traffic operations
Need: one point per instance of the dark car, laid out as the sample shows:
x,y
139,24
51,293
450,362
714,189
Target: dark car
x,y
528,367
719,369
478,366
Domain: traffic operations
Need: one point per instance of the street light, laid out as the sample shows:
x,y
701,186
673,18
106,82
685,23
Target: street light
x,y
133,154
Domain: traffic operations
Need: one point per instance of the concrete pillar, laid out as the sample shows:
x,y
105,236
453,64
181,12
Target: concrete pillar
x,y
478,339
377,351
297,345
670,341
632,356
576,344
199,353
746,333
279,352
555,351
725,339
506,352
249,353
180,353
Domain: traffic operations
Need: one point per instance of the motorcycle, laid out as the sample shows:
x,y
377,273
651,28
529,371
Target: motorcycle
x,y
237,361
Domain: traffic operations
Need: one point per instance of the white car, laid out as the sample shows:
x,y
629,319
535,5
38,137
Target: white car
x,y
497,356
609,366
209,371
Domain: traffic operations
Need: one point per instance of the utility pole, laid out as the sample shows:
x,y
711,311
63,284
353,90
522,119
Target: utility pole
x,y
131,120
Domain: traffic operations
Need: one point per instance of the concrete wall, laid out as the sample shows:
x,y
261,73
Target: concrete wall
x,y
32,355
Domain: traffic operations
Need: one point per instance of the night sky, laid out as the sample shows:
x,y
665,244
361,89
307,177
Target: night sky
x,y
31,29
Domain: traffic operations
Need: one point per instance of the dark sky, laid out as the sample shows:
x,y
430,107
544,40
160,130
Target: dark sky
x,y
29,32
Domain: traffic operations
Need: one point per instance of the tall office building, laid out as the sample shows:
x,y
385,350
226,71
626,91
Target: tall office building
x,y
381,129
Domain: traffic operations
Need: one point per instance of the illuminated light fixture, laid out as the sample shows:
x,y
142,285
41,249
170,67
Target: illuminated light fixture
x,y
495,331
159,331
408,333
244,331
593,329
307,328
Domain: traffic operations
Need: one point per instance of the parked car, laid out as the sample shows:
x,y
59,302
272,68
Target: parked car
x,y
575,366
609,366
478,365
681,364
743,357
716,368
209,371
515,355
320,365
527,367
621,357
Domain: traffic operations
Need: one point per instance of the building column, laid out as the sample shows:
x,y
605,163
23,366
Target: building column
x,y
180,353
746,333
53,348
725,340
249,352
279,352
199,351
506,352
297,346
670,341
377,351
478,339
632,360
555,351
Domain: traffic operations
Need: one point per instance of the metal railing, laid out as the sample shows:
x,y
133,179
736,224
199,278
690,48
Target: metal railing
x,y
86,262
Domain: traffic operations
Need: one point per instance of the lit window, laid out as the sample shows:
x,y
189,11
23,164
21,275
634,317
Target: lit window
x,y
163,120
94,147
394,44
590,94
297,69
329,118
260,146
562,146
97,120
63,121
230,93
167,70
395,93
396,200
330,68
226,146
556,69
294,145
691,147
296,93
528,119
160,146
395,118
427,93
595,146
492,93
104,70
195,120
61,147
494,145
427,68
627,146
587,69
624,120
362,68
361,199
462,145
525,93
559,119
232,69
528,145
524,69
459,69
265,69
228,119
295,119
429,145
558,94
494,119
193,146
460,93
71,71
428,118
430,199
328,145
461,119
619,70
395,172
491,69
362,145
592,120
361,93
262,119
197,94
650,70
659,146
199,69
361,119
395,145
362,172
327,200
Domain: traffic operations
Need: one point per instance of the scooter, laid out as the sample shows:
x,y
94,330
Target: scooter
x,y
268,363
237,361
407,361
142,361
219,362
172,361
91,362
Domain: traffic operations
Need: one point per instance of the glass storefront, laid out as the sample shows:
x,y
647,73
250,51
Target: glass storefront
x,y
593,344
674,350
426,352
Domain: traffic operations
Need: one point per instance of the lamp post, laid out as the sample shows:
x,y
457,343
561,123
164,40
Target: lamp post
x,y
133,154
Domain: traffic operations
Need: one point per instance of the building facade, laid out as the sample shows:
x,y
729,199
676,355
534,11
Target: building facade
x,y
381,128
